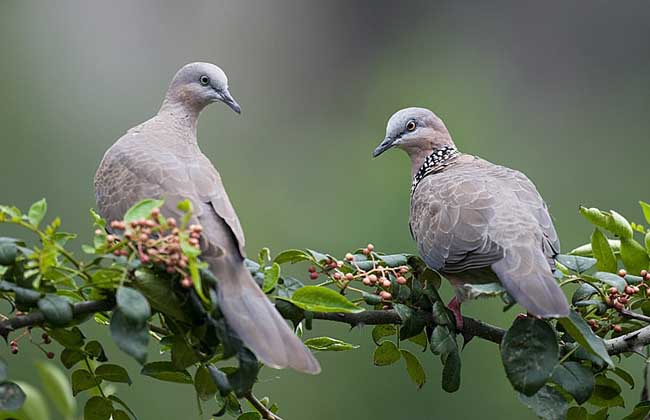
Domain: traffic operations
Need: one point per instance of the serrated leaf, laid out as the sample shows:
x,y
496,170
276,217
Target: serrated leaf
x,y
142,210
71,339
414,368
577,328
575,379
529,351
165,371
386,354
394,260
112,373
321,299
58,388
328,344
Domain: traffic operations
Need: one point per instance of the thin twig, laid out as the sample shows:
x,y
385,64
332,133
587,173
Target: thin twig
x,y
257,404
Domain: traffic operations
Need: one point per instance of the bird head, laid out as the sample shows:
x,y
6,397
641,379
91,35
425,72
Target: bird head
x,y
199,84
417,131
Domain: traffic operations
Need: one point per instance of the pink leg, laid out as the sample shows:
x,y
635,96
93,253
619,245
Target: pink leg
x,y
454,306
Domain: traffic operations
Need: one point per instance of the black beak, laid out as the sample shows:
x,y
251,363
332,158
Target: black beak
x,y
385,145
230,101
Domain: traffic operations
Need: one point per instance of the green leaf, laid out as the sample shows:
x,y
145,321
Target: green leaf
x,y
612,221
529,351
165,371
159,293
4,370
607,393
443,340
251,415
642,409
120,415
583,292
646,210
82,380
547,403
386,354
70,357
575,379
577,328
142,210
451,372
123,404
381,331
577,413
421,340
12,396
57,387
71,339
414,368
112,373
203,384
328,344
271,276
133,304
587,251
611,279
37,212
96,351
634,256
576,263
292,256
56,309
624,375
394,260
603,252
220,379
8,251
183,355
184,205
321,299
98,408
475,291
132,338
243,379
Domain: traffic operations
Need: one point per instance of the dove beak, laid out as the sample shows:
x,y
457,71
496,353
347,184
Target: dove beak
x,y
227,99
383,146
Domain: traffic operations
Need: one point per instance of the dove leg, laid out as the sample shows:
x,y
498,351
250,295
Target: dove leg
x,y
454,307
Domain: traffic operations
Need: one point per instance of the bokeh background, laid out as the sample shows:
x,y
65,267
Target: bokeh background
x,y
559,90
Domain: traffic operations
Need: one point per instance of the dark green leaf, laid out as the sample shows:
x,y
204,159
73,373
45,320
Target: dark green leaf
x,y
583,292
451,372
243,379
576,263
381,331
133,304
414,368
165,371
120,415
292,256
123,404
421,340
328,344
37,212
575,379
220,379
440,315
56,309
251,415
57,387
96,351
11,396
70,357
112,373
142,210
529,351
443,340
624,375
577,328
8,252
640,411
183,355
82,380
371,299
394,260
577,413
611,279
603,252
203,384
160,294
547,404
130,337
98,408
322,299
386,354
475,291
607,393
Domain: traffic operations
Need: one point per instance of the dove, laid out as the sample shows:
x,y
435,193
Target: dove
x,y
476,222
161,159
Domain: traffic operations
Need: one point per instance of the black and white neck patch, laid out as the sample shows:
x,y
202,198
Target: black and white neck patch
x,y
435,161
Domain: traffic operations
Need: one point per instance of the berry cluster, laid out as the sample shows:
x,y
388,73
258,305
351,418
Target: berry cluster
x,y
342,273
619,300
156,240
13,344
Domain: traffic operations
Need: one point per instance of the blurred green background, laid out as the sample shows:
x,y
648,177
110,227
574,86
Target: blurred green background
x,y
559,90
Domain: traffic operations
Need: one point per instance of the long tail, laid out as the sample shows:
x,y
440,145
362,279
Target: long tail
x,y
250,313
526,275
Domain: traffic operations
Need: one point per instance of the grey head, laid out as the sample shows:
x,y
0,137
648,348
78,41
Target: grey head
x,y
197,85
417,131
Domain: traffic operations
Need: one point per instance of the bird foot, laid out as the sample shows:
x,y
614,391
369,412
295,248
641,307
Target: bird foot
x,y
454,307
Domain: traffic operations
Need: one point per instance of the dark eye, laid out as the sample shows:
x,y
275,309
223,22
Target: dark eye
x,y
410,126
204,80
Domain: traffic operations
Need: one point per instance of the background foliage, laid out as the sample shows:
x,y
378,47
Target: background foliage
x,y
558,91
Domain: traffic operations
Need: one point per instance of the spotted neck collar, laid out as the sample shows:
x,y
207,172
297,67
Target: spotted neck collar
x,y
433,163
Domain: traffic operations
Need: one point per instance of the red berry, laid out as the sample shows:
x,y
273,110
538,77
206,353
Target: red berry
x,y
338,276
386,283
366,281
622,272
612,291
618,306
349,257
629,290
187,282
313,276
98,232
592,322
13,343
372,278
401,280
14,350
44,336
404,270
644,273
312,269
623,300
366,251
349,276
617,328
385,295
50,355
370,247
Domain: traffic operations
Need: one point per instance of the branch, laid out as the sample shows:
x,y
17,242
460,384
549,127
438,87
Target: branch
x,y
632,341
257,404
471,326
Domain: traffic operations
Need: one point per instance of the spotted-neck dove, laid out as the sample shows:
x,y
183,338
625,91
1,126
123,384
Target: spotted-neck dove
x,y
160,158
474,221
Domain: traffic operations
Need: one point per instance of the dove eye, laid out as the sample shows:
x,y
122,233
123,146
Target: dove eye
x,y
204,80
410,126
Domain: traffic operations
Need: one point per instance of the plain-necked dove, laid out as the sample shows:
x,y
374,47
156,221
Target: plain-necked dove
x,y
474,221
160,158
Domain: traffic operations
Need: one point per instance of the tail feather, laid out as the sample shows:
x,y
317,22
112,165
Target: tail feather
x,y
526,275
260,326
